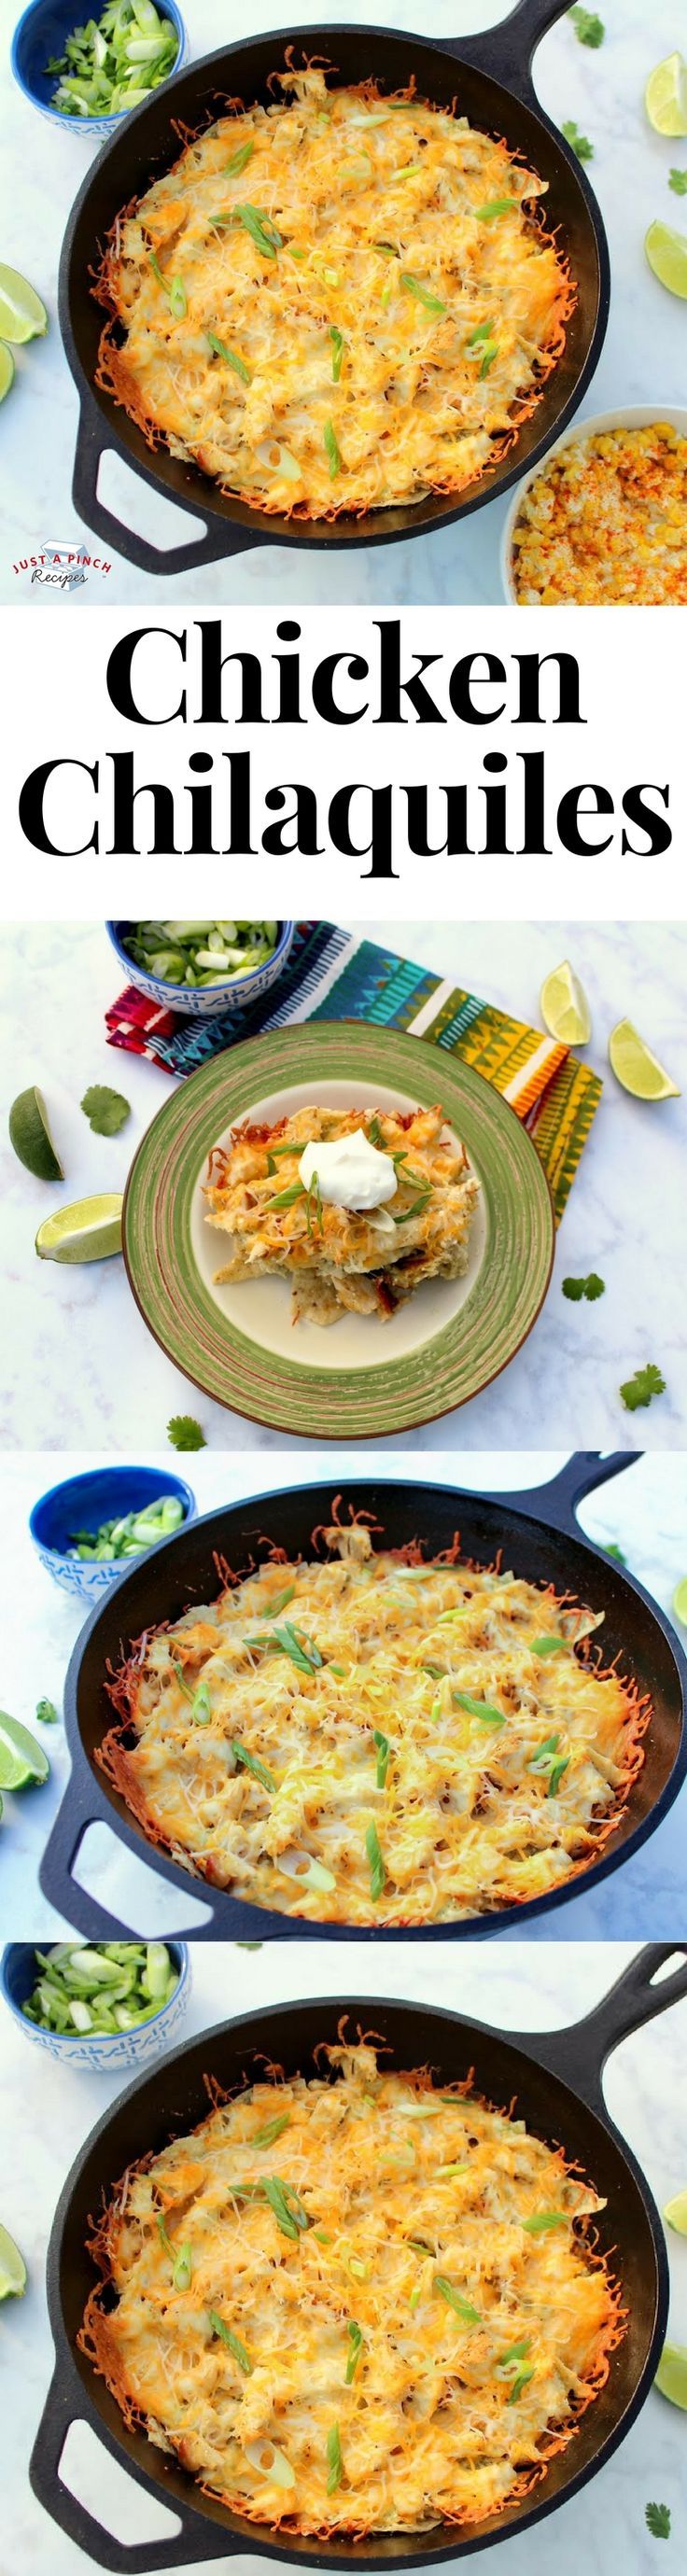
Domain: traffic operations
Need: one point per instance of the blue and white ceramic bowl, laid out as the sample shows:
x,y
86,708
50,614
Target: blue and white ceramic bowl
x,y
39,38
83,1502
208,1001
104,2053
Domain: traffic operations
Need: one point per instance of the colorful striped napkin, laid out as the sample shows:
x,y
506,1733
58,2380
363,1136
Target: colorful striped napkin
x,y
333,976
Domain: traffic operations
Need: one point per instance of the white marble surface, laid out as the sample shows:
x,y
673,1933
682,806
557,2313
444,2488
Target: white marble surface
x,y
643,358
48,2111
80,1367
644,1510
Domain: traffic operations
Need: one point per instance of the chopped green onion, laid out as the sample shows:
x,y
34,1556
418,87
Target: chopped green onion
x,y
273,2129
239,160
557,1775
257,1769
421,293
290,1641
281,1602
416,1208
201,1711
232,2341
355,2338
230,356
550,1646
291,2216
287,1198
462,2308
377,1869
108,66
181,1678
333,449
383,1756
496,206
334,2460
338,342
262,232
520,2383
483,332
544,2219
488,360
46,1712
508,2361
100,1987
177,298
479,1708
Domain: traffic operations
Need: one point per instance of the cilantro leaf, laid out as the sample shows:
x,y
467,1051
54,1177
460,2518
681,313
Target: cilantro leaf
x,y
185,1433
615,1551
590,1287
105,1110
639,1389
589,28
578,142
657,2518
677,180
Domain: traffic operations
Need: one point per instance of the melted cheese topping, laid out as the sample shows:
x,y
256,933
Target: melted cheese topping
x,y
606,521
355,2304
340,302
372,1742
341,1258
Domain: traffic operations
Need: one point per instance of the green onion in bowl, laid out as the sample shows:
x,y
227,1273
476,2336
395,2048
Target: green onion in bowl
x,y
111,63
129,1535
201,952
101,1987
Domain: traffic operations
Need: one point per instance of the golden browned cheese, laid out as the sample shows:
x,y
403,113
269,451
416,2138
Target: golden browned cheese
x,y
373,1741
606,522
355,2303
340,1260
338,303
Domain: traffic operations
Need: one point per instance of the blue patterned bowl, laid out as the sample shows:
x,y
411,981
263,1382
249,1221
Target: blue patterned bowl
x,y
107,2053
208,1001
82,1502
39,37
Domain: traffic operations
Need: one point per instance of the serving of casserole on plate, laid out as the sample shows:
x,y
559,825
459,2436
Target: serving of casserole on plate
x,y
485,1239
356,1229
355,2302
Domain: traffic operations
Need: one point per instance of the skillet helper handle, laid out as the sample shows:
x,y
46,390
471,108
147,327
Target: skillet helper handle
x,y
557,1501
195,2541
62,1889
579,2054
91,445
506,52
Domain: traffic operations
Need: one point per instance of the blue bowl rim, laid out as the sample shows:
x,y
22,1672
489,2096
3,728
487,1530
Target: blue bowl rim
x,y
99,122
108,2038
162,988
115,1467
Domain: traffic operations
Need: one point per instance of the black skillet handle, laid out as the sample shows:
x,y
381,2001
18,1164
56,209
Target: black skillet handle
x,y
58,1883
91,443
579,2054
196,2540
557,1501
506,52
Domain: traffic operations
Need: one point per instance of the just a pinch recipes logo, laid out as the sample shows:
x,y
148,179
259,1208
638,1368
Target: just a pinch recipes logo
x,y
62,563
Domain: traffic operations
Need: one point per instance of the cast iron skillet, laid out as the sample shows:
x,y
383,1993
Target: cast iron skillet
x,y
538,1533
554,2077
496,94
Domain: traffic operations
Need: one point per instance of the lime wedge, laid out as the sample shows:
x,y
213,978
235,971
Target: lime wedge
x,y
665,96
22,1760
676,2210
667,255
564,1007
31,1138
680,1601
12,2268
22,316
636,1068
671,2376
89,1230
6,370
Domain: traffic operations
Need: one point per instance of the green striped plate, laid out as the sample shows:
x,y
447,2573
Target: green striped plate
x,y
359,1378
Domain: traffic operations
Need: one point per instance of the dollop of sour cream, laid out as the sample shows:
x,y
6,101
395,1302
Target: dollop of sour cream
x,y
351,1172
